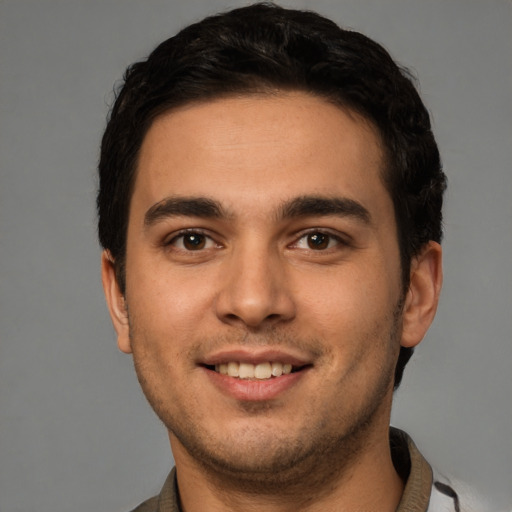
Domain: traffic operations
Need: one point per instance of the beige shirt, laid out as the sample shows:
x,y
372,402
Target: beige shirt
x,y
409,462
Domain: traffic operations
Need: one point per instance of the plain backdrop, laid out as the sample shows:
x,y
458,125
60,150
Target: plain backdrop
x,y
76,433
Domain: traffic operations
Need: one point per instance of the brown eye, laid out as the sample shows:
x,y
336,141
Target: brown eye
x,y
194,241
318,241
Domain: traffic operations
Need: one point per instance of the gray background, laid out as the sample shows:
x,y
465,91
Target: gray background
x,y
76,433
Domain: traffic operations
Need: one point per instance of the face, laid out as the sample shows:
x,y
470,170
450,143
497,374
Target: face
x,y
262,280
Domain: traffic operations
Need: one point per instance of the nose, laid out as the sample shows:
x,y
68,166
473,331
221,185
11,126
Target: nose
x,y
256,290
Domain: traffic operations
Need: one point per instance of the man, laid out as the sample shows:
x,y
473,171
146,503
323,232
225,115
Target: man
x,y
270,211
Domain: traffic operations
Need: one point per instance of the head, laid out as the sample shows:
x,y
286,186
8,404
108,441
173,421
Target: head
x,y
263,49
270,200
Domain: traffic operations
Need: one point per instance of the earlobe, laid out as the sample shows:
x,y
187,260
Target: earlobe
x,y
423,294
116,302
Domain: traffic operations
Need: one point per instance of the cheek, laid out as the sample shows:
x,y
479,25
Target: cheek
x,y
353,312
170,301
348,294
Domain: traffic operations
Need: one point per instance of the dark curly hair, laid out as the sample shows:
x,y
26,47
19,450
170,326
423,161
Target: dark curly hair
x,y
261,48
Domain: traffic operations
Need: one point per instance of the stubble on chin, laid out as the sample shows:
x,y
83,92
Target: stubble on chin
x,y
311,464
267,462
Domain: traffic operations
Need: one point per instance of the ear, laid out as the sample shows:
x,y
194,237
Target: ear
x,y
116,302
422,297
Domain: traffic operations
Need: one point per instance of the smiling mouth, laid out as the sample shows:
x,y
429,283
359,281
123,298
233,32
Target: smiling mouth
x,y
261,371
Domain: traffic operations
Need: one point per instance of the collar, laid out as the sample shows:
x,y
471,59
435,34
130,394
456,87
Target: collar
x,y
414,470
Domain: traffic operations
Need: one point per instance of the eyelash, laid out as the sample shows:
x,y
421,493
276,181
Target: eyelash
x,y
331,237
323,236
182,234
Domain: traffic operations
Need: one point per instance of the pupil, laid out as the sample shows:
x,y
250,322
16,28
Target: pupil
x,y
318,241
194,241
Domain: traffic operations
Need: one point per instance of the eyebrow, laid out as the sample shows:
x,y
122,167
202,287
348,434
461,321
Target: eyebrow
x,y
183,206
304,206
318,206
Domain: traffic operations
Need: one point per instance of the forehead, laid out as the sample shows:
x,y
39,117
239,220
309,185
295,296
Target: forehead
x,y
255,149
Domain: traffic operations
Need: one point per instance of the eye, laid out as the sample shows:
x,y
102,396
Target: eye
x,y
192,241
317,241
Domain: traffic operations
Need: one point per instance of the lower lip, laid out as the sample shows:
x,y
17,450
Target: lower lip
x,y
252,390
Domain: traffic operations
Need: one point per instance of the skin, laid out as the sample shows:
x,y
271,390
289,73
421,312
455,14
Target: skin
x,y
270,274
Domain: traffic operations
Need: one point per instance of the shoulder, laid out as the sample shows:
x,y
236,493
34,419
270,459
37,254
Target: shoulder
x,y
166,501
450,494
150,505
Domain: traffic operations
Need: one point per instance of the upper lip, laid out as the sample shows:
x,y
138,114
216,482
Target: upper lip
x,y
255,356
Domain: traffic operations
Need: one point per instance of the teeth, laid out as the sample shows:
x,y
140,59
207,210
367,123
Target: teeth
x,y
246,371
277,369
263,371
232,368
260,371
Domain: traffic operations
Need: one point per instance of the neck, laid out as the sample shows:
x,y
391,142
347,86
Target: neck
x,y
361,477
